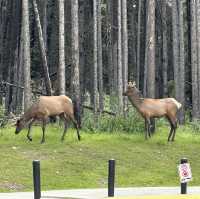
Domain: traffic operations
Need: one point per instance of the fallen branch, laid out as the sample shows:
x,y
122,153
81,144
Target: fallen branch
x,y
104,111
21,87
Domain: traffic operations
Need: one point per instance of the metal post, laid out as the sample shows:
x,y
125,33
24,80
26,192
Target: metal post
x,y
36,179
184,184
111,178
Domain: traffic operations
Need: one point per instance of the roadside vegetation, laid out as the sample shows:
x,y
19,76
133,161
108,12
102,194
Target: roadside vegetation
x,y
74,164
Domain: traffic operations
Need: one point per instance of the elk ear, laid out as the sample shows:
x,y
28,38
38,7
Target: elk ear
x,y
130,83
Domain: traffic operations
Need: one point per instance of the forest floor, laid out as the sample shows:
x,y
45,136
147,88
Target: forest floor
x,y
73,164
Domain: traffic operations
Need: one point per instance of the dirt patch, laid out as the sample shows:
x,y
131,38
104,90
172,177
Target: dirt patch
x,y
12,186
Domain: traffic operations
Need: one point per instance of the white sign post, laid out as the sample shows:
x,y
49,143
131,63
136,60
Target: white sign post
x,y
185,172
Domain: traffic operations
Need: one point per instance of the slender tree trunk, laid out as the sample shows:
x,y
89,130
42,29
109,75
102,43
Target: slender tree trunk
x,y
178,55
95,79
109,44
44,21
197,7
181,73
194,61
43,51
124,51
26,44
75,50
119,48
150,50
138,41
61,67
99,56
164,48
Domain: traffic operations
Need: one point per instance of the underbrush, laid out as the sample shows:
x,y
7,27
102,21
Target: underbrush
x,y
130,123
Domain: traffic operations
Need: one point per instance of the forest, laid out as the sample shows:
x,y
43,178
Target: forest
x,y
90,50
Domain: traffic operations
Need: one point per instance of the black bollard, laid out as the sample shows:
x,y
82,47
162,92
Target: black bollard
x,y
111,178
36,179
184,184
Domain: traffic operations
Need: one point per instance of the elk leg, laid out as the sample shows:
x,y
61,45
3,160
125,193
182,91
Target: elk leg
x,y
171,131
43,131
65,126
29,130
76,125
147,124
175,127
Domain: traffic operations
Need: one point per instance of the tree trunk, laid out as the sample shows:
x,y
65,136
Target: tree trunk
x,y
95,79
61,67
180,81
99,56
198,51
164,49
119,53
82,4
75,51
150,50
178,55
43,51
138,41
124,51
26,61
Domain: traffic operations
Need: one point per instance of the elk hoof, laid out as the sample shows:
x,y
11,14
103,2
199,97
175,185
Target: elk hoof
x,y
79,137
30,139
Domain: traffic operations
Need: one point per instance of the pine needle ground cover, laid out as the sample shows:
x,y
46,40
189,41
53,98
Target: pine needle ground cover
x,y
74,164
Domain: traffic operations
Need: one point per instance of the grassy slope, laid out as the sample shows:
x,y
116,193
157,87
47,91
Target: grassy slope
x,y
74,164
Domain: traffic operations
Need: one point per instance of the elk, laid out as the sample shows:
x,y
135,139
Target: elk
x,y
47,106
154,108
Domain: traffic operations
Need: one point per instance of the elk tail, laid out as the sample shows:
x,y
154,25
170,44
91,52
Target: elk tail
x,y
179,105
77,111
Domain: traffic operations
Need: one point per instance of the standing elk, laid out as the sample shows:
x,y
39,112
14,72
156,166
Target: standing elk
x,y
154,108
47,106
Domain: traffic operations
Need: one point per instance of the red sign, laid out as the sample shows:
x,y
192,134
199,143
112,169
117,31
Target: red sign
x,y
185,172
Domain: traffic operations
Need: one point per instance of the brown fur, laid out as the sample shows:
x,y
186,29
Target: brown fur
x,y
45,107
152,108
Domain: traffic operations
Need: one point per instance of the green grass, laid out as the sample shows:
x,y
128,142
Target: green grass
x,y
74,164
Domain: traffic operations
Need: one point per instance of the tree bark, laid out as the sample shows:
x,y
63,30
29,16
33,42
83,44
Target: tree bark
x,y
138,41
26,57
164,49
180,81
150,50
119,53
95,79
75,50
99,56
124,51
178,55
43,50
61,67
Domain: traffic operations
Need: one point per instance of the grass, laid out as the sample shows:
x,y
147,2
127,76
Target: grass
x,y
74,164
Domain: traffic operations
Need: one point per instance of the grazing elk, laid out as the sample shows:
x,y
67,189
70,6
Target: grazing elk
x,y
47,106
152,108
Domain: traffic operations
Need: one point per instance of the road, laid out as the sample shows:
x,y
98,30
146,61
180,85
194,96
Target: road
x,y
120,193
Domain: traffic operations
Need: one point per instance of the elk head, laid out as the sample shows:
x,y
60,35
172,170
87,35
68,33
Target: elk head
x,y
130,89
19,125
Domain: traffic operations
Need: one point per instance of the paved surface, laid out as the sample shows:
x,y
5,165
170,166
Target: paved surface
x,y
162,197
152,192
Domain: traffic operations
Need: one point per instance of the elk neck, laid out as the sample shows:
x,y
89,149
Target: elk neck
x,y
136,100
